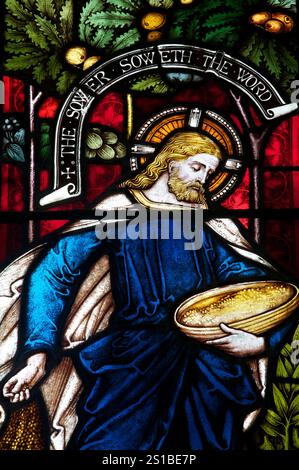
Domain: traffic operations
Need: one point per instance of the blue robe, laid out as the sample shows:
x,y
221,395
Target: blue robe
x,y
146,385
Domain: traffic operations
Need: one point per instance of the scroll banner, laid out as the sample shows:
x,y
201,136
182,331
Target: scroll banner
x,y
165,57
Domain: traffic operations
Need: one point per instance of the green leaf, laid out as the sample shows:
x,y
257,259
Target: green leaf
x,y
102,38
15,36
13,22
45,148
15,152
13,48
284,368
269,429
18,10
267,444
46,8
211,5
176,32
127,39
193,32
296,334
54,66
85,29
295,437
127,5
37,36
296,372
50,31
65,81
286,350
253,49
29,4
182,16
66,20
273,419
25,61
288,60
40,72
110,19
280,401
19,137
295,420
294,406
271,58
225,34
161,3
220,19
153,83
283,3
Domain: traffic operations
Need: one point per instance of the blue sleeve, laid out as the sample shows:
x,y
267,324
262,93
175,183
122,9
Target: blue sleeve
x,y
51,288
231,267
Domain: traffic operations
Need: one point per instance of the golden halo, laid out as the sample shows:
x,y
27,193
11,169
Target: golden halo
x,y
171,120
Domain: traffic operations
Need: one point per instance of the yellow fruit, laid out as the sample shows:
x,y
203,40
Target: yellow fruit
x,y
153,20
285,19
91,61
76,55
274,26
154,36
260,18
186,2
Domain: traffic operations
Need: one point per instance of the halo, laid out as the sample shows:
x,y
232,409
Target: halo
x,y
161,125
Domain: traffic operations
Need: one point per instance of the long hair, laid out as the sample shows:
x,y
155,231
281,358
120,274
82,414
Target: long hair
x,y
180,146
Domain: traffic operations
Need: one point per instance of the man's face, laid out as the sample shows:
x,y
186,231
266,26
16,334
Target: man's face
x,y
187,177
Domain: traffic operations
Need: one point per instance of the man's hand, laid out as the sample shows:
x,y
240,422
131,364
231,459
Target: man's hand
x,y
18,387
239,343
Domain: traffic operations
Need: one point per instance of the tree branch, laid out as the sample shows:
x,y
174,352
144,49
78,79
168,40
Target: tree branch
x,y
256,133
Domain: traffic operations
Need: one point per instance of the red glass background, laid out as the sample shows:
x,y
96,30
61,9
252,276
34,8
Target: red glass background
x,y
280,185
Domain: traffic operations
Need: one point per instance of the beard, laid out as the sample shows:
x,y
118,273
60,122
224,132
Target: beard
x,y
187,192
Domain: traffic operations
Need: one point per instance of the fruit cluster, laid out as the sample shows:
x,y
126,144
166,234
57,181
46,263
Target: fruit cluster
x,y
272,22
104,144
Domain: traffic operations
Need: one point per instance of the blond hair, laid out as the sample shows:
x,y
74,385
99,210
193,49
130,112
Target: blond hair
x,y
180,146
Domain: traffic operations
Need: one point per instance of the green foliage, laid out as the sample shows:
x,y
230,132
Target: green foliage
x,y
161,3
226,34
127,5
272,61
45,148
37,37
109,24
102,38
111,19
218,22
221,24
54,66
126,39
66,20
221,18
65,81
279,428
37,28
271,54
253,49
283,3
46,8
152,83
86,32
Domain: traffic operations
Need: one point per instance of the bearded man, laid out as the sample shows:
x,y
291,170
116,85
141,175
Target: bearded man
x,y
146,385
